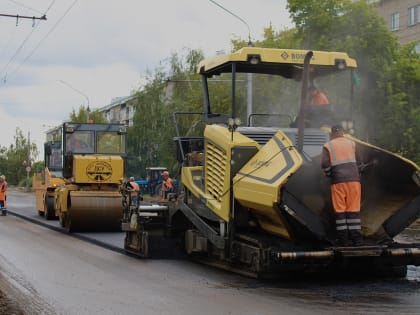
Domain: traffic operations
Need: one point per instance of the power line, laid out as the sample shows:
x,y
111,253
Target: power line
x,y
24,6
23,43
15,54
42,40
45,37
43,17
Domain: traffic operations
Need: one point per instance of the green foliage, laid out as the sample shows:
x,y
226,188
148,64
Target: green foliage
x,y
82,116
386,103
38,166
401,109
315,20
387,98
174,86
15,159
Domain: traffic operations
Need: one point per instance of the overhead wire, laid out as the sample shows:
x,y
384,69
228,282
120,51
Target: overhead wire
x,y
25,6
43,38
4,69
7,43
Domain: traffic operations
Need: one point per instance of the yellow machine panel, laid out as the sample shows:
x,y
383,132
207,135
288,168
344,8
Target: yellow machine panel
x,y
277,57
98,169
257,185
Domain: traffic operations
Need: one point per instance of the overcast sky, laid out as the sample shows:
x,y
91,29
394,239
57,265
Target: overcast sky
x,y
96,50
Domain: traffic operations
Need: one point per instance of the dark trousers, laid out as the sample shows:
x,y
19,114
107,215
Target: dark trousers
x,y
348,228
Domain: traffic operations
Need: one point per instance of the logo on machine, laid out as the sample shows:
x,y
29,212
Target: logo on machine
x,y
294,56
99,171
284,55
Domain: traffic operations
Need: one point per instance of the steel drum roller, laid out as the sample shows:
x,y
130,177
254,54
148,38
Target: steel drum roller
x,y
94,210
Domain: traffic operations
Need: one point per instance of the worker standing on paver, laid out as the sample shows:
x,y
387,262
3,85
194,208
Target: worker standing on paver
x,y
340,162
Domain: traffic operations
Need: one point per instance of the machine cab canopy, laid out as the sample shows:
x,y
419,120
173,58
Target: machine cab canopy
x,y
81,138
280,77
285,62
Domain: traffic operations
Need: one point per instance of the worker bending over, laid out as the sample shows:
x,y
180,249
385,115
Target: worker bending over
x,y
135,191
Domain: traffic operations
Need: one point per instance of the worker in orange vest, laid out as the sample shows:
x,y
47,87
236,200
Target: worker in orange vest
x,y
135,191
340,162
167,184
317,97
3,195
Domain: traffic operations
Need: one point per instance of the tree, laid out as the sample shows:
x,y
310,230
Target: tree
x,y
315,20
401,110
83,115
173,86
387,99
15,159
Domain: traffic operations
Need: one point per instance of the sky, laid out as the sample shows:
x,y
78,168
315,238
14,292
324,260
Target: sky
x,y
89,52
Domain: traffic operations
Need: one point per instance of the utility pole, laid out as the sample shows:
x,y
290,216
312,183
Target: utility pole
x,y
17,17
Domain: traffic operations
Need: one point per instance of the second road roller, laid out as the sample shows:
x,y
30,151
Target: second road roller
x,y
84,166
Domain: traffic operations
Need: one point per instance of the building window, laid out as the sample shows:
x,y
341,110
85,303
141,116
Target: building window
x,y
395,22
417,48
413,15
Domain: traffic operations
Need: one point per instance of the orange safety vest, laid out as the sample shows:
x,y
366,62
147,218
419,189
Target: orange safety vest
x,y
3,189
341,151
135,187
319,98
345,188
167,184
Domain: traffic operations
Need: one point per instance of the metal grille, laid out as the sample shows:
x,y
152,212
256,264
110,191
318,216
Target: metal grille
x,y
215,170
315,137
312,137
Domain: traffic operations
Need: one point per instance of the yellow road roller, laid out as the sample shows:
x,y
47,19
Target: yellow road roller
x,y
88,163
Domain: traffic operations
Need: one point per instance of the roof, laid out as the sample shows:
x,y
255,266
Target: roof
x,y
117,101
285,62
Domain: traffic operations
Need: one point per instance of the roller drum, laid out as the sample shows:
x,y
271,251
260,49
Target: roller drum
x,y
94,211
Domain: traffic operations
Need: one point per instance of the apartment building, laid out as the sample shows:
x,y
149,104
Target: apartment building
x,y
402,17
120,110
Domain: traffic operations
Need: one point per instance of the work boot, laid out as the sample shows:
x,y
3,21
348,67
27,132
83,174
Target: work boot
x,y
356,237
341,229
343,238
354,226
3,212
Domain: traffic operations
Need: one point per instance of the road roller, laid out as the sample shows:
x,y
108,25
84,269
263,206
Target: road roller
x,y
252,197
46,181
84,167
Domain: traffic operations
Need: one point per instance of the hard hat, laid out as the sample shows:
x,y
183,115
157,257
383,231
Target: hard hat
x,y
131,178
336,128
165,173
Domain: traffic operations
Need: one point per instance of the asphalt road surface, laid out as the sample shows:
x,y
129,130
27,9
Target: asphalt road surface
x,y
47,272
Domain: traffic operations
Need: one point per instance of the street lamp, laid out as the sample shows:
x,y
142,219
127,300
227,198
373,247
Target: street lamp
x,y
249,75
81,93
238,17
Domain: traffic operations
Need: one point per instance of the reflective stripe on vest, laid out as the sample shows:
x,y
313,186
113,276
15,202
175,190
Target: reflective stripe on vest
x,y
341,151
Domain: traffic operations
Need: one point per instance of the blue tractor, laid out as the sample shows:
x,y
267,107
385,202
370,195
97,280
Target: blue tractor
x,y
153,182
